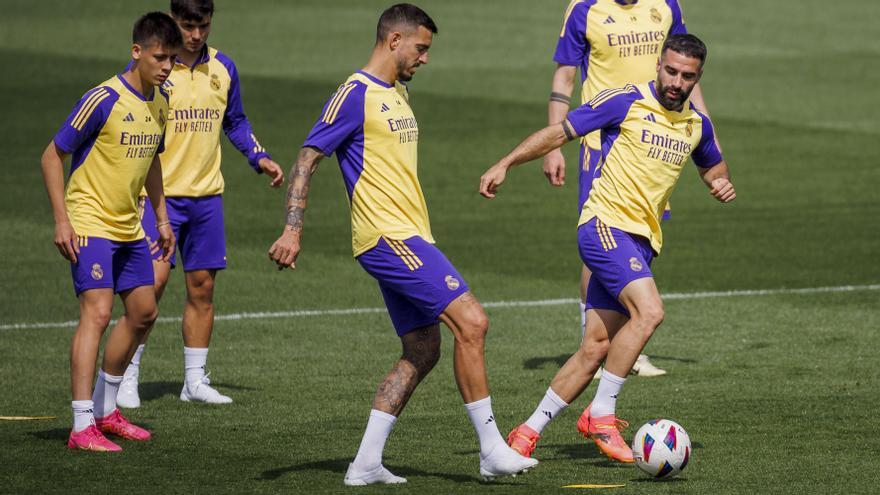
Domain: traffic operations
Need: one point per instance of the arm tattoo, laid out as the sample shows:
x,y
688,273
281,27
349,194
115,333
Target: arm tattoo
x,y
561,98
298,186
566,128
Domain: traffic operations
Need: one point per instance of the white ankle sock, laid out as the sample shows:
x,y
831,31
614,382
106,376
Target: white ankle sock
x,y
583,319
369,454
480,413
104,397
83,414
194,361
605,401
135,364
551,405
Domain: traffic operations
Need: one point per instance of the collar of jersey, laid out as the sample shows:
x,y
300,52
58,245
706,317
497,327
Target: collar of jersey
x,y
134,91
203,58
627,2
375,79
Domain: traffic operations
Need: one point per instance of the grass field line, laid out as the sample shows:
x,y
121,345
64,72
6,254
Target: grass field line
x,y
672,296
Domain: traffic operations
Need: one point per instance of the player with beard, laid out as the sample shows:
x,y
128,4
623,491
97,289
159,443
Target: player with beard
x,y
647,133
370,126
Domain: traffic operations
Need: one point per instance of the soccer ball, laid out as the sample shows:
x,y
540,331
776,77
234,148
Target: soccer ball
x,y
661,448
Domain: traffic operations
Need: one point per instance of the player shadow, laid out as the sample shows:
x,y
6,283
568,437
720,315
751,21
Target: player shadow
x,y
579,451
677,479
150,391
53,435
340,466
539,362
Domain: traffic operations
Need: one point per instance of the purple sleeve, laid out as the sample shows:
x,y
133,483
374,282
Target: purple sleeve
x,y
603,111
235,123
343,116
707,154
86,120
677,26
572,47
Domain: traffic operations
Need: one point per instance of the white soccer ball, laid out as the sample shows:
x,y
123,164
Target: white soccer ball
x,y
661,448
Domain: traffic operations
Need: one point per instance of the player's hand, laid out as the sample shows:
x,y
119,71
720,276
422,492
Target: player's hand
x,y
273,170
492,180
167,242
154,245
722,190
554,167
66,241
285,250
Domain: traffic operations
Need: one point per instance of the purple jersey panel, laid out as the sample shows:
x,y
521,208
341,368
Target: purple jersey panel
x,y
340,129
606,114
417,281
616,258
106,264
235,123
707,154
572,47
589,163
677,26
79,131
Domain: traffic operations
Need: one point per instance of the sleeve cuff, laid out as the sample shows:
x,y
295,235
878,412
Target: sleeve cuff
x,y
62,146
255,161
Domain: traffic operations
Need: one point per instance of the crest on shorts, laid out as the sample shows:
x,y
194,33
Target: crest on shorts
x,y
452,283
635,265
689,128
97,271
215,82
655,15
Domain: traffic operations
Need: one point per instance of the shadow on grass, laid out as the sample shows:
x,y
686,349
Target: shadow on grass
x,y
339,466
539,362
677,479
156,390
53,435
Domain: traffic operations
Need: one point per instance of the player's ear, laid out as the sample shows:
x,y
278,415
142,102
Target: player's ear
x,y
394,40
135,52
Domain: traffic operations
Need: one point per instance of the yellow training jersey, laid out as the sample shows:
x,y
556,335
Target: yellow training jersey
x,y
113,133
615,42
372,129
644,147
204,99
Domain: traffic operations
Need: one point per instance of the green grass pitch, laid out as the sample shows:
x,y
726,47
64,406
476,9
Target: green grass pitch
x,y
778,391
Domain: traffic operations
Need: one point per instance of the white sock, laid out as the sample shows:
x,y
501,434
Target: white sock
x,y
583,319
194,361
83,414
104,397
369,454
605,401
551,405
480,413
135,364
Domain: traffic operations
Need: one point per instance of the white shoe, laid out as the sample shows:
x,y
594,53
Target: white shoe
x,y
128,391
201,391
643,367
354,477
504,461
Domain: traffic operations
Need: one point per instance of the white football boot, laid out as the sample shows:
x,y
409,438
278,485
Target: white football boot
x,y
128,390
504,461
355,477
644,367
201,391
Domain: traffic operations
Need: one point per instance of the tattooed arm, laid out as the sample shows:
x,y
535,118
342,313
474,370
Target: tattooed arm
x,y
285,250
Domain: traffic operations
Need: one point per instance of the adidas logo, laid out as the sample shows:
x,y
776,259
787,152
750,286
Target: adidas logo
x,y
128,118
548,414
609,20
384,108
650,118
490,420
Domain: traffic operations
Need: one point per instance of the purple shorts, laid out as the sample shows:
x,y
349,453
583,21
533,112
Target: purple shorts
x,y
587,173
616,258
416,280
106,264
198,225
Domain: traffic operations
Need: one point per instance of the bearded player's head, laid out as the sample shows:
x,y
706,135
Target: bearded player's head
x,y
406,31
679,69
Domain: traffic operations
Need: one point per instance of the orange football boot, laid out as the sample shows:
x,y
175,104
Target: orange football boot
x,y
523,439
605,432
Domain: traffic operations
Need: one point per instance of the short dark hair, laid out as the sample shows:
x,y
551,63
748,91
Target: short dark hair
x,y
192,10
403,14
686,44
156,27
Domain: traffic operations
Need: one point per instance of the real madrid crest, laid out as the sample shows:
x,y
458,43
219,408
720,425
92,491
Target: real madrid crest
x,y
655,16
635,265
215,82
97,272
452,283
689,128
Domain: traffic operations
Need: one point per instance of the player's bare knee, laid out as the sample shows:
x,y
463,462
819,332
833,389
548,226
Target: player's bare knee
x,y
649,318
96,315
